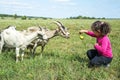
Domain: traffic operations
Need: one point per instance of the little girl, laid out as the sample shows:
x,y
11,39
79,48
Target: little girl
x,y
102,54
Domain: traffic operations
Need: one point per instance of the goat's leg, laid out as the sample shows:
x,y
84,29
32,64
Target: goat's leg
x,y
17,54
30,50
42,48
1,44
22,55
34,49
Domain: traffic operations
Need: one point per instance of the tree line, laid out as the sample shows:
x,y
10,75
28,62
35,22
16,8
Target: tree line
x,y
85,17
15,16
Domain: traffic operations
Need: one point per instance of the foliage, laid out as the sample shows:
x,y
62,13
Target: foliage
x,y
15,16
23,17
45,18
62,59
85,17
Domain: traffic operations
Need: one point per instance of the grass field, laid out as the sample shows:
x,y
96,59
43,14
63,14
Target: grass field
x,y
62,59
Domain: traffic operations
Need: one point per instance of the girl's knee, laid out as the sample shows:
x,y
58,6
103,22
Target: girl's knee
x,y
96,61
88,52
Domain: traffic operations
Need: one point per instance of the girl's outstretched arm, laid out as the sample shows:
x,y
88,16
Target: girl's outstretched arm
x,y
90,33
83,31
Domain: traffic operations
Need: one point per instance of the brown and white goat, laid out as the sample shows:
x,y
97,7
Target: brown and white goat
x,y
60,31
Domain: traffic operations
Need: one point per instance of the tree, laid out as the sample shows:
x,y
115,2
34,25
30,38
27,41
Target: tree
x,y
23,17
2,17
15,16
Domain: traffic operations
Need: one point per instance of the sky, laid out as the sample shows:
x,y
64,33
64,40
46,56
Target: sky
x,y
62,8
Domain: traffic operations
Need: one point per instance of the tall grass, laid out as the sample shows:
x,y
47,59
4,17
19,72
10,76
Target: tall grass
x,y
62,59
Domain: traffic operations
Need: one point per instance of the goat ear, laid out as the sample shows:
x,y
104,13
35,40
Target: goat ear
x,y
40,28
8,27
57,30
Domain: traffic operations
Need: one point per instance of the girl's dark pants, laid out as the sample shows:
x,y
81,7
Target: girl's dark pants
x,y
96,59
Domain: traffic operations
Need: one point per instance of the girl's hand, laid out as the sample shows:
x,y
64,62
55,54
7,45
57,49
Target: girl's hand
x,y
83,31
96,44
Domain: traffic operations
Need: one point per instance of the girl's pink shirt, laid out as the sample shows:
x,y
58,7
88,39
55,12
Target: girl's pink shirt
x,y
104,45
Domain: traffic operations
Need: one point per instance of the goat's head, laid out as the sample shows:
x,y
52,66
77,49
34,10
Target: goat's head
x,y
62,29
42,34
11,27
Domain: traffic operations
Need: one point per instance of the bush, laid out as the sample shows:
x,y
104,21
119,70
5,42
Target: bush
x,y
23,17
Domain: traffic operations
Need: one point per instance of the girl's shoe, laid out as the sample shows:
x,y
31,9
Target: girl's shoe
x,y
107,65
90,65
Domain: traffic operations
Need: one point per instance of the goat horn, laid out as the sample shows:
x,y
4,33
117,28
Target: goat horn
x,y
58,23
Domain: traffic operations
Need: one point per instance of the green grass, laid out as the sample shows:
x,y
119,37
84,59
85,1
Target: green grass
x,y
62,59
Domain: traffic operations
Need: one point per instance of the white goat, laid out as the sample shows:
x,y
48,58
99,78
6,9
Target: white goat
x,y
0,42
10,37
60,31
